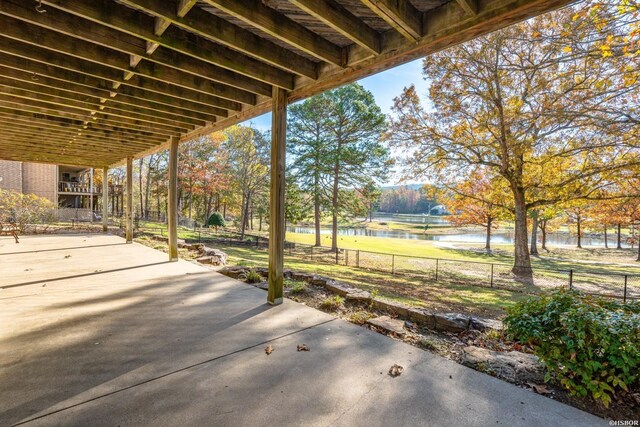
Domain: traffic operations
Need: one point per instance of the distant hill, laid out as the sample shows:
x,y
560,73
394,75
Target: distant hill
x,y
393,187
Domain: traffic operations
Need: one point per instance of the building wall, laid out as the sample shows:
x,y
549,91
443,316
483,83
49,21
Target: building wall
x,y
36,178
39,179
11,175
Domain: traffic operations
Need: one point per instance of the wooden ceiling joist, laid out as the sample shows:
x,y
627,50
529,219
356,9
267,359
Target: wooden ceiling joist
x,y
91,82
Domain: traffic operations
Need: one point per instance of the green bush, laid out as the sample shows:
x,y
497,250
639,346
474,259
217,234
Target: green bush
x,y
216,220
251,276
589,344
26,210
296,286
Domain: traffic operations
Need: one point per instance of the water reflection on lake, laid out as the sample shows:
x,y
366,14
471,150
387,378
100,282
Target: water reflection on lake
x,y
497,237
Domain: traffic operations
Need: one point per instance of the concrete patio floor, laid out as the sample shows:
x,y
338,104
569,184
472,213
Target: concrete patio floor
x,y
97,332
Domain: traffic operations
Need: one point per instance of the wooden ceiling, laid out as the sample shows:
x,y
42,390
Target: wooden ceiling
x,y
91,82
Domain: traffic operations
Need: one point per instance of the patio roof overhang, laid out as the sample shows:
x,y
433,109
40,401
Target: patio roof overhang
x,y
92,82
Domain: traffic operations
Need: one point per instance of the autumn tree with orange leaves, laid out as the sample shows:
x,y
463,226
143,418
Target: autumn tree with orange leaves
x,y
540,104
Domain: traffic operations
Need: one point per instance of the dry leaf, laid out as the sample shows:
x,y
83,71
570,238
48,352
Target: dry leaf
x,y
303,347
268,349
396,370
539,388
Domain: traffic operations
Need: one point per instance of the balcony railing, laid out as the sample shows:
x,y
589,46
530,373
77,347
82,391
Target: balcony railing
x,y
82,188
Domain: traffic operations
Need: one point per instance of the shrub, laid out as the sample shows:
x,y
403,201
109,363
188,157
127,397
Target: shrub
x,y
332,303
251,276
296,286
360,317
590,345
26,210
216,220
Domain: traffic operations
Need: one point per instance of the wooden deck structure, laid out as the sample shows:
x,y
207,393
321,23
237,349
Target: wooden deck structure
x,y
99,82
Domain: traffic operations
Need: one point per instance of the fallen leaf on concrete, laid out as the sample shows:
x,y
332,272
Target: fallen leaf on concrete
x,y
396,370
303,347
268,349
67,256
540,389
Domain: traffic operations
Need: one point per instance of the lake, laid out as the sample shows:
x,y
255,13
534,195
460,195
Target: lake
x,y
497,237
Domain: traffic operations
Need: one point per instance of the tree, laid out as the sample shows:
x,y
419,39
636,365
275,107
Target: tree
x,y
548,221
308,144
216,220
297,206
355,124
536,104
369,195
248,151
477,201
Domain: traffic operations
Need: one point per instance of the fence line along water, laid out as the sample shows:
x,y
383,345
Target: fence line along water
x,y
471,273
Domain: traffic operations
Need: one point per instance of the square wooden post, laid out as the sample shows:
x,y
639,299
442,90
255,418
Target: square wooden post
x,y
129,202
277,223
105,199
172,220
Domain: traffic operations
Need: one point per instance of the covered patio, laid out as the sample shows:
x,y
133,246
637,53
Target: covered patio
x,y
99,332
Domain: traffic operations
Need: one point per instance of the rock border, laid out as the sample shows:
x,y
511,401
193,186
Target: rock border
x,y
444,322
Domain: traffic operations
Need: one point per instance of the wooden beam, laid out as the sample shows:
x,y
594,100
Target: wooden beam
x,y
214,80
99,131
129,201
172,202
39,83
40,158
400,15
105,199
469,6
279,26
214,28
277,208
341,20
66,98
29,105
163,95
177,48
184,6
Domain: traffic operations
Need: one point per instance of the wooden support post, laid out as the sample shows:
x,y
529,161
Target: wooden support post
x,y
129,203
277,222
105,199
91,195
172,210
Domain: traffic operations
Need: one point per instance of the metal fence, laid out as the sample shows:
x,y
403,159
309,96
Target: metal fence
x,y
461,272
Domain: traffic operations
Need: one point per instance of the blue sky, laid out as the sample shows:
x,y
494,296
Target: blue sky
x,y
385,86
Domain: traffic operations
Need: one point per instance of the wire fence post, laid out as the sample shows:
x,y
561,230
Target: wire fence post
x,y
337,256
393,264
571,279
624,296
358,258
492,275
437,262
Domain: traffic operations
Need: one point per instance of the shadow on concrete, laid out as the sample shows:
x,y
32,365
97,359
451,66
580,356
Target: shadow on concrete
x,y
75,276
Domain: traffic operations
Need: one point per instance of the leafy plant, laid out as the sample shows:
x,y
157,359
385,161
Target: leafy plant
x,y
360,317
332,303
251,276
216,220
590,345
296,286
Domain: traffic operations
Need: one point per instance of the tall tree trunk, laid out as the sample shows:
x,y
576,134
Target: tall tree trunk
x,y
606,239
638,259
534,233
579,224
522,261
260,220
487,246
316,218
543,230
334,210
619,236
140,187
242,216
147,188
190,197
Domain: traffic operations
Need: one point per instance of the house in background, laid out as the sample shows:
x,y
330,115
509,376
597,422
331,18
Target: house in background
x,y
71,188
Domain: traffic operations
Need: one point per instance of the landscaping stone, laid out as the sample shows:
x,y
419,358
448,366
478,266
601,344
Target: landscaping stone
x,y
512,366
422,317
386,323
217,256
303,277
262,285
339,288
392,307
451,322
480,324
358,295
157,238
